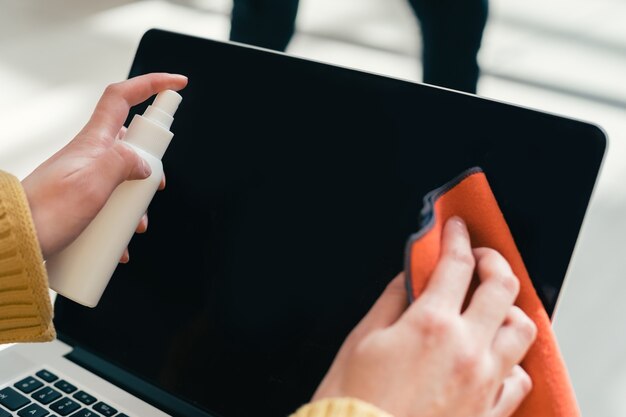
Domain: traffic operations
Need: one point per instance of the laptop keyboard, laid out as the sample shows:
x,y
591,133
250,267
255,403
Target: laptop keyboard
x,y
45,394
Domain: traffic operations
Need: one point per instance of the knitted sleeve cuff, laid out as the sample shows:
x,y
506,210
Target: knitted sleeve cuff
x,y
25,308
339,407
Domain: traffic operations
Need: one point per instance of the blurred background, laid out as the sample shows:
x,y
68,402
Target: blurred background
x,y
563,56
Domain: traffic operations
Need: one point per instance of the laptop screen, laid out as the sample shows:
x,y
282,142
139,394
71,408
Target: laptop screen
x,y
292,188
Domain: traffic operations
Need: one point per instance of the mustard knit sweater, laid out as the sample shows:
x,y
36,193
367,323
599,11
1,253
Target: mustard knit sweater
x,y
25,308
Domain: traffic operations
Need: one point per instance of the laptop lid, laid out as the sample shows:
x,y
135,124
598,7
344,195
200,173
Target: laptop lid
x,y
292,187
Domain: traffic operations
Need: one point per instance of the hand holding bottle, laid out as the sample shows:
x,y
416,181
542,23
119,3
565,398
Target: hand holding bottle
x,y
67,191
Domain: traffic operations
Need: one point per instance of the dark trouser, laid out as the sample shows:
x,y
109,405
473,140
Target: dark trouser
x,y
266,23
451,31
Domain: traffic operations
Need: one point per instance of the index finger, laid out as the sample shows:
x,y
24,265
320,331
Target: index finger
x,y
117,99
452,276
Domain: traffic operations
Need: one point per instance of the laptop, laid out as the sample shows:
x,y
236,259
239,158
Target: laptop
x,y
292,189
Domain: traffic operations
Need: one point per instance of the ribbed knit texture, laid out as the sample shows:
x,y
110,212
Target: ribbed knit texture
x,y
339,407
25,308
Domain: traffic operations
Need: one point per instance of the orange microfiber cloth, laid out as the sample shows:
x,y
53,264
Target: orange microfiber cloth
x,y
469,197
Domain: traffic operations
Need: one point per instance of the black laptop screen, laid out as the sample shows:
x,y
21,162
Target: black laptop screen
x,y
291,190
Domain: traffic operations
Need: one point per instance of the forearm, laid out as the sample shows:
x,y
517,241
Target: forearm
x,y
25,308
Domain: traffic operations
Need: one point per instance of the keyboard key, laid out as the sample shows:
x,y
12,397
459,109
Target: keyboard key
x,y
86,413
121,415
46,395
28,385
4,413
84,398
65,386
47,376
12,399
65,406
105,409
33,410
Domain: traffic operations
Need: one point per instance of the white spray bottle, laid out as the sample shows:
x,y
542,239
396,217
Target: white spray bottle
x,y
82,271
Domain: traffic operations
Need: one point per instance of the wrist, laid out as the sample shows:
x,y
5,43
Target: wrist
x,y
38,215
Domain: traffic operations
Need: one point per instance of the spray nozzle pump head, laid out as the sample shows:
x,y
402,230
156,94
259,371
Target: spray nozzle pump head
x,y
163,108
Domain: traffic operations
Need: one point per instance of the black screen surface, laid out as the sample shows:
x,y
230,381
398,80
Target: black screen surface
x,y
292,187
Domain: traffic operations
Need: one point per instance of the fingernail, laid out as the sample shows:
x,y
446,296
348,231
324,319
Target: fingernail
x,y
147,170
459,223
457,220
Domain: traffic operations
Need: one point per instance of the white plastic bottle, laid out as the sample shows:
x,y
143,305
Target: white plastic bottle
x,y
82,271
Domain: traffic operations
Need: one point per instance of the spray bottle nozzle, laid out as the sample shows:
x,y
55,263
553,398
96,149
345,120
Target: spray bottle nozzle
x,y
167,101
163,108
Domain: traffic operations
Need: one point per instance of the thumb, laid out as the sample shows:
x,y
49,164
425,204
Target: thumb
x,y
121,163
388,308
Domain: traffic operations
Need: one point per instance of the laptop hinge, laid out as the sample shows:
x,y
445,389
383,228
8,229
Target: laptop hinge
x,y
147,392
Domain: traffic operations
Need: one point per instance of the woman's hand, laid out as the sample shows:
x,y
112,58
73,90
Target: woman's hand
x,y
68,190
433,359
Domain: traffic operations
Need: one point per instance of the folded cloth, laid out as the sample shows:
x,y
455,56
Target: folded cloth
x,y
469,197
